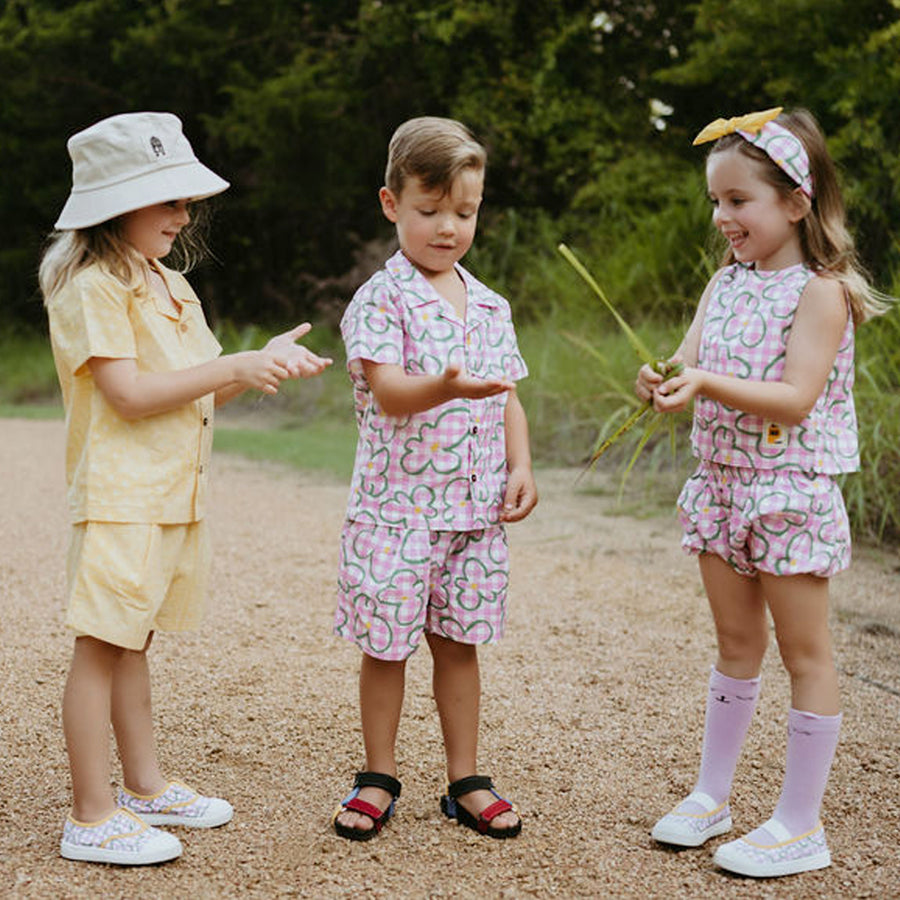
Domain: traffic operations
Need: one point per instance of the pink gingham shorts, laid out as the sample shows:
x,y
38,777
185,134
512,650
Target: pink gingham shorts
x,y
394,584
784,522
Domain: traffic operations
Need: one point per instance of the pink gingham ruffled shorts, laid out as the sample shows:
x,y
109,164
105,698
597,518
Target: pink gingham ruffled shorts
x,y
784,522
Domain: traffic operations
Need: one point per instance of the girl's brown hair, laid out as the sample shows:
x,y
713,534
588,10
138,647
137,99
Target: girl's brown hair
x,y
826,243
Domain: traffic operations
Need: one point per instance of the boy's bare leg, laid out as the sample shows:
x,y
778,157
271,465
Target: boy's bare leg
x,y
381,688
457,692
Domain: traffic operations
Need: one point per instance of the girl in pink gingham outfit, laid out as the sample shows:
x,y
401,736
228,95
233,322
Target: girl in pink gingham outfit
x,y
769,368
442,463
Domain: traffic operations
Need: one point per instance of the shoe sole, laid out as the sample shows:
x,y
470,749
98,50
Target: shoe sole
x,y
681,839
742,866
118,857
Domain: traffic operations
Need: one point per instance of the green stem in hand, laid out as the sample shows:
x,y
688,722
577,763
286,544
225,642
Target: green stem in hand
x,y
667,370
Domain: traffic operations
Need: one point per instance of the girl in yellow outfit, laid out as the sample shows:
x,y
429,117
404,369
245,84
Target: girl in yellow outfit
x,y
141,374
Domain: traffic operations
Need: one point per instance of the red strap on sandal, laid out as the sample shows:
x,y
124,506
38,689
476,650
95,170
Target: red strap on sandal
x,y
489,813
367,809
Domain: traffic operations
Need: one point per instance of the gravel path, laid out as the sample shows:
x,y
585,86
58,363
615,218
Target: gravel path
x,y
591,721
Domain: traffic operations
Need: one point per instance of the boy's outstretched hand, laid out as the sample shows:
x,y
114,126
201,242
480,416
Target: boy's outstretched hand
x,y
299,361
461,384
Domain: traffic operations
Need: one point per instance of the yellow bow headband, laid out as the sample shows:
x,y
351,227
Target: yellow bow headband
x,y
783,147
752,122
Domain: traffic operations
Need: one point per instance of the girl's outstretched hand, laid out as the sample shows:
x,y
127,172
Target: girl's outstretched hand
x,y
461,384
259,369
299,361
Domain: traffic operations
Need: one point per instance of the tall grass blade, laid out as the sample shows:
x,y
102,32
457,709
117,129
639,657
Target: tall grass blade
x,y
639,347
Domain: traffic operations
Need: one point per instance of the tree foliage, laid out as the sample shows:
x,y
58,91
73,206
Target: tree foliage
x,y
586,107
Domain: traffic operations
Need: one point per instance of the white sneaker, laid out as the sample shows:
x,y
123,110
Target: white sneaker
x,y
788,856
121,838
177,804
693,829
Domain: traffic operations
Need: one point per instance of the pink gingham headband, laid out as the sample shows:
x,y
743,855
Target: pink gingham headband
x,y
783,147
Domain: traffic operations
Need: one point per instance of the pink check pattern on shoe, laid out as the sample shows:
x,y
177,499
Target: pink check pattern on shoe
x,y
177,804
700,823
693,822
789,856
122,831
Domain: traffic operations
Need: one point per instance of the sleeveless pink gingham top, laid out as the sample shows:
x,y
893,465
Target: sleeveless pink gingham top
x,y
745,334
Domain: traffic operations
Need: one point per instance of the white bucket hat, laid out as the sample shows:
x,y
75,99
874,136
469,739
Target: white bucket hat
x,y
130,161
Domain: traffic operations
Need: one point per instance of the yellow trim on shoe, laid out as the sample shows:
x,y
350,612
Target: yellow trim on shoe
x,y
211,811
681,829
134,843
755,860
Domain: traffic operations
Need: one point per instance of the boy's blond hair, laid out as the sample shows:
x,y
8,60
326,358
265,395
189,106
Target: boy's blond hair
x,y
434,150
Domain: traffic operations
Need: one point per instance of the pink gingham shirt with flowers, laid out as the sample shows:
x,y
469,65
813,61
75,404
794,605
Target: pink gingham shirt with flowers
x,y
745,333
443,469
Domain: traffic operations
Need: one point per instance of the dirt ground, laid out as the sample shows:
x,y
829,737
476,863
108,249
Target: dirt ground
x,y
591,717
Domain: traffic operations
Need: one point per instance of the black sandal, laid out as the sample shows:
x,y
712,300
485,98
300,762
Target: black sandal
x,y
455,810
354,804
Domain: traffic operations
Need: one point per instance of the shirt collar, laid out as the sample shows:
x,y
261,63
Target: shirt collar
x,y
419,291
174,284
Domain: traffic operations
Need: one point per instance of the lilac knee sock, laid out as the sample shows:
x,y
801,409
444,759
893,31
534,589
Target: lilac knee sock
x,y
729,709
811,743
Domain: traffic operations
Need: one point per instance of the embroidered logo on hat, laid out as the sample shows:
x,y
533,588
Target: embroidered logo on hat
x,y
157,146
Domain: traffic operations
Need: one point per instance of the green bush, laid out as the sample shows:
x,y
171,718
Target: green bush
x,y
872,498
27,373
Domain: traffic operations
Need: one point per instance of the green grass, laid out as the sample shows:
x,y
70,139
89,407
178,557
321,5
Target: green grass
x,y
327,447
872,497
575,398
31,411
27,373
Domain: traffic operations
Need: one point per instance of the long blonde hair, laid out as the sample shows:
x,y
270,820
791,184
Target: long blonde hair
x,y
70,251
827,245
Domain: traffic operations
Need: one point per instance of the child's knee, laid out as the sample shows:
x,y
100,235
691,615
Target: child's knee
x,y
745,649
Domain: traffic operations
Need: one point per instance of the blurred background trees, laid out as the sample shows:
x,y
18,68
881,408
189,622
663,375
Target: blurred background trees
x,y
587,109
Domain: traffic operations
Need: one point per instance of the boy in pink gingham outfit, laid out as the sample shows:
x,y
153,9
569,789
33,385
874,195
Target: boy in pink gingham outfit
x,y
442,463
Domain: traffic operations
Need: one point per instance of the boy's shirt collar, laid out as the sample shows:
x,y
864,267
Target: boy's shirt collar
x,y
418,291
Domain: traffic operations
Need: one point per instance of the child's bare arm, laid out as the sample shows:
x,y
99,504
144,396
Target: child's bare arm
x,y
135,394
401,394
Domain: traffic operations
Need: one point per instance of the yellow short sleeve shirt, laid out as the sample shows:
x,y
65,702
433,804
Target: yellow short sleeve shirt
x,y
153,469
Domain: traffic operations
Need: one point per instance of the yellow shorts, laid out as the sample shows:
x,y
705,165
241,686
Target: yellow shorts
x,y
126,580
